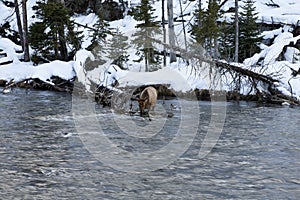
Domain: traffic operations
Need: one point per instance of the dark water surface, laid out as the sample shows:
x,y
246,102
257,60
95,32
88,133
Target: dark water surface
x,y
42,155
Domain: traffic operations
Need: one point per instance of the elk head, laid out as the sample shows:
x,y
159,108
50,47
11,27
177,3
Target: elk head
x,y
142,105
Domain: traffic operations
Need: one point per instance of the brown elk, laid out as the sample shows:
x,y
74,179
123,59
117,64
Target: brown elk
x,y
147,99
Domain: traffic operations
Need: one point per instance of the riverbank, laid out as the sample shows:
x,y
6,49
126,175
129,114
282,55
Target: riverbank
x,y
58,84
164,92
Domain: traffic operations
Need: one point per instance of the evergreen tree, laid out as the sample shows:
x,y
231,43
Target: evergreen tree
x,y
77,6
249,33
117,49
206,29
143,13
227,40
197,27
53,37
147,28
98,34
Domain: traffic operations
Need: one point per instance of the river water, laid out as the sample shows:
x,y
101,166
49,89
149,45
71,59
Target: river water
x,y
44,156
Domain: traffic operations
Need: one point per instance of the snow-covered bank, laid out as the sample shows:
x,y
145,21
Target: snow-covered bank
x,y
178,77
22,71
279,61
270,62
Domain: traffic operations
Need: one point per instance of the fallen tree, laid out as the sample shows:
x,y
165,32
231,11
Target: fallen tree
x,y
271,95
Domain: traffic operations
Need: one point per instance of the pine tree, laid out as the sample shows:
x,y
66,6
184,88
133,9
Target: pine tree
x,y
99,33
147,28
227,39
54,34
248,37
117,49
77,6
206,30
143,13
249,33
98,43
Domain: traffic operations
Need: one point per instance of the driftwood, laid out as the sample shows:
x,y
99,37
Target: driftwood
x,y
59,84
103,96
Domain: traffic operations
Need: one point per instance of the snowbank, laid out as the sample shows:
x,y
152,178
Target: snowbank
x,y
266,63
179,79
22,71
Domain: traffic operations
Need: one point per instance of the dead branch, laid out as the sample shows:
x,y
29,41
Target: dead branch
x,y
224,66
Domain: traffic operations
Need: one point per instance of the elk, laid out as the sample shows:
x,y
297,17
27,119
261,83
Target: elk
x,y
147,99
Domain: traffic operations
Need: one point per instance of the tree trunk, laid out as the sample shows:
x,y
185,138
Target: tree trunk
x,y
25,32
216,47
62,44
92,5
236,21
171,30
236,50
61,38
199,23
19,23
56,46
146,60
164,31
183,26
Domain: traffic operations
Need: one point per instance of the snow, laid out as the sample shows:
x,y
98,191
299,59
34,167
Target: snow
x,y
58,68
280,70
8,14
271,34
286,13
292,54
179,82
271,53
10,49
22,71
78,67
89,21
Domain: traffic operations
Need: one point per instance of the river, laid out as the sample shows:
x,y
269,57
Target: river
x,y
44,156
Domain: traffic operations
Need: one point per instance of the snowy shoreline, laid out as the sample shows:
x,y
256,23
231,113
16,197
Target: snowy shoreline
x,y
278,62
60,76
